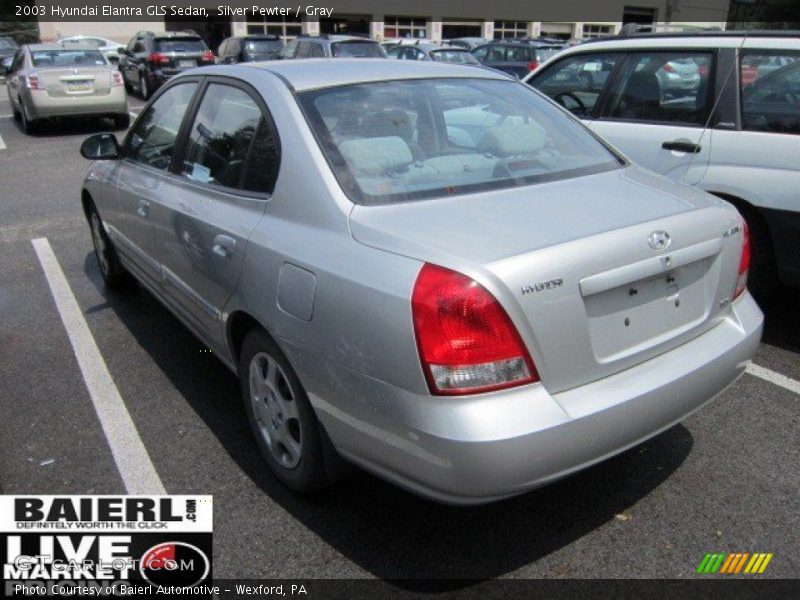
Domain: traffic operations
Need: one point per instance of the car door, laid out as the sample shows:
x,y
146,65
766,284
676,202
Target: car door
x,y
658,111
209,208
758,158
142,177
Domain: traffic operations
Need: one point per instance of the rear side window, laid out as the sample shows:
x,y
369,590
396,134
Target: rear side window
x,y
180,45
220,139
577,82
664,87
152,141
770,91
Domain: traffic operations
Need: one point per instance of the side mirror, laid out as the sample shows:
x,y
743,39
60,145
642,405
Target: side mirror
x,y
101,146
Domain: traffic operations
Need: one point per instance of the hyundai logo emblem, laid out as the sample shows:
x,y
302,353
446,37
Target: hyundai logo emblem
x,y
659,240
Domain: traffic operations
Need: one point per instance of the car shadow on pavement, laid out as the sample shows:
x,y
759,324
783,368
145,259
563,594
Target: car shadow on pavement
x,y
73,126
782,320
388,532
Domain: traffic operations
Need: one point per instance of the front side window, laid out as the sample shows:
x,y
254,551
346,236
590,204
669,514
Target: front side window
x,y
665,87
221,136
404,140
771,92
577,82
152,141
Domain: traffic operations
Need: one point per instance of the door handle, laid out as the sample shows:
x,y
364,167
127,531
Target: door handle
x,y
144,209
224,246
682,146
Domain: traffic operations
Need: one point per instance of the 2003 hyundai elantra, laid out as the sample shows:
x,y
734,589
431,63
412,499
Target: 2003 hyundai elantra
x,y
429,270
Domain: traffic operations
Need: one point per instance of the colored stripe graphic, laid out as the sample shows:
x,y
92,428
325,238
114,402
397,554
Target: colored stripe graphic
x,y
733,563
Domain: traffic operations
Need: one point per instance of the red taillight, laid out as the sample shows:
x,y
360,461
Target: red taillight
x,y
116,78
744,263
466,341
668,68
532,66
158,59
702,70
35,82
208,56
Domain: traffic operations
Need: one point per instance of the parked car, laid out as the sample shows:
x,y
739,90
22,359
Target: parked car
x,y
515,57
719,125
8,47
333,46
151,59
249,48
434,52
49,80
110,49
468,43
469,298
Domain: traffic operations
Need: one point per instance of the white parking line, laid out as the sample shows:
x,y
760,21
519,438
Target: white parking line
x,y
133,462
776,378
2,143
6,116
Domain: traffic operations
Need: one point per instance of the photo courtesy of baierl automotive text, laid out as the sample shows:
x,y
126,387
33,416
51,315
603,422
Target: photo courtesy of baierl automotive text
x,y
414,300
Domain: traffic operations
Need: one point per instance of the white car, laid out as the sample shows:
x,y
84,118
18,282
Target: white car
x,y
720,111
110,49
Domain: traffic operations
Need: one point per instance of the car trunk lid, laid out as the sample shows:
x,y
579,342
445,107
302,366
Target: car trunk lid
x,y
572,264
76,81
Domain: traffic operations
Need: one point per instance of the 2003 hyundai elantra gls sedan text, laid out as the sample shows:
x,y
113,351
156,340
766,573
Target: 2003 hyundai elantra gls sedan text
x,y
427,270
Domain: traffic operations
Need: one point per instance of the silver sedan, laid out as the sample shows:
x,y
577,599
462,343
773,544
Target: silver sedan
x,y
51,80
427,270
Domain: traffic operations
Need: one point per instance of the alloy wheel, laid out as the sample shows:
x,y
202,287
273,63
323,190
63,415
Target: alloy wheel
x,y
275,410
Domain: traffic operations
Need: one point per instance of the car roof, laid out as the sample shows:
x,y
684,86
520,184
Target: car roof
x,y
727,39
312,73
70,48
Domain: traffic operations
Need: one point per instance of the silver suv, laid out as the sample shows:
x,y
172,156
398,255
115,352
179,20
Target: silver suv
x,y
717,111
427,269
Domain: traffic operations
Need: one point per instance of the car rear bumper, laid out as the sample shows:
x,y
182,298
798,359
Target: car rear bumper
x,y
42,105
479,449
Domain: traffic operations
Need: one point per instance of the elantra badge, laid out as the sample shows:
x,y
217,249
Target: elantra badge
x,y
659,240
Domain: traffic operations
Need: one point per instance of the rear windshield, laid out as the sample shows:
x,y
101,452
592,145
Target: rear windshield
x,y
393,141
262,46
357,49
7,44
180,45
43,59
461,57
542,54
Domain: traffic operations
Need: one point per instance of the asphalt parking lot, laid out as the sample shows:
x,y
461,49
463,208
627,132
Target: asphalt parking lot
x,y
724,480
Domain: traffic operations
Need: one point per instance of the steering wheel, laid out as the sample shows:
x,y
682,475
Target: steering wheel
x,y
559,98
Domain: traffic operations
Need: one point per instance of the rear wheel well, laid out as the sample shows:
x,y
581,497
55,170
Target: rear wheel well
x,y
239,324
764,274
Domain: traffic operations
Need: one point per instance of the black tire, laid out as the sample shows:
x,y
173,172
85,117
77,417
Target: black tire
x,y
144,87
762,280
122,121
17,114
310,472
29,126
114,274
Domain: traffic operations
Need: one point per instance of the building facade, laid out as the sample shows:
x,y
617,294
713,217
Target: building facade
x,y
430,19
